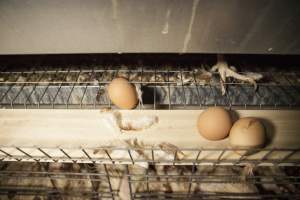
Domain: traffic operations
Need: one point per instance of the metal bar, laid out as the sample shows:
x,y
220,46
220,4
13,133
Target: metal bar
x,y
219,158
48,193
139,104
152,155
241,158
96,96
67,155
69,96
58,174
256,93
212,92
198,154
228,99
244,92
19,92
267,154
288,156
129,182
147,181
24,153
130,156
284,91
93,75
60,85
33,89
190,180
109,183
105,90
164,161
6,92
84,92
175,157
155,88
183,90
197,87
271,92
6,153
169,92
108,155
87,155
43,94
290,83
155,178
94,184
49,176
41,150
157,148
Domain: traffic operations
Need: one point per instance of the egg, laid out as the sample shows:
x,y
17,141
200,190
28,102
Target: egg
x,y
247,132
122,93
214,123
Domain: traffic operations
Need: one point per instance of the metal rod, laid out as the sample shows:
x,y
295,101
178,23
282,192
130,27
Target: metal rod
x,y
129,182
190,180
6,92
41,150
288,156
197,87
60,85
109,183
69,96
67,155
169,92
21,89
43,94
108,155
130,156
155,90
183,90
33,89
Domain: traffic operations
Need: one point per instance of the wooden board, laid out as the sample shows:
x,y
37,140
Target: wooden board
x,y
74,128
85,128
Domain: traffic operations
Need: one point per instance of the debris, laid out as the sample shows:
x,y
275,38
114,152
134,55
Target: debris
x,y
119,123
170,149
225,71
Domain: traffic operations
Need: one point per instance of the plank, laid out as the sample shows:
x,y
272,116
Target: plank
x,y
86,128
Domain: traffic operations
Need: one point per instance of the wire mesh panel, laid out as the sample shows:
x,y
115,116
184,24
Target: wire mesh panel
x,y
101,181
144,156
161,89
41,172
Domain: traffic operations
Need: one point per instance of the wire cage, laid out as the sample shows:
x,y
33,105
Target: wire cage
x,y
173,85
40,172
106,181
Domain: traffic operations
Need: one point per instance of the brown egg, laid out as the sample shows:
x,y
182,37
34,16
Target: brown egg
x,y
214,123
122,93
247,132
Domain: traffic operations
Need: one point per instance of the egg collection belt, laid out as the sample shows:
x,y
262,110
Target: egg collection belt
x,y
161,88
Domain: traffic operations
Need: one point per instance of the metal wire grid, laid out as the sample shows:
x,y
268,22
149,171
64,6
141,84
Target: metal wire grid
x,y
203,156
145,179
32,94
166,89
